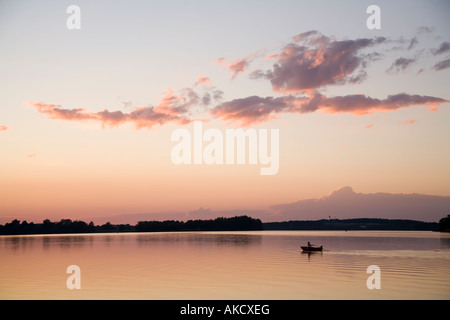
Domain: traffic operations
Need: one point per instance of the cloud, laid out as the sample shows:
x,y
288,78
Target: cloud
x,y
299,75
172,108
31,155
315,61
176,105
413,43
258,74
359,104
306,35
54,111
238,66
304,69
420,71
425,30
345,203
444,64
211,93
127,104
410,121
368,126
204,80
250,110
141,117
401,64
3,128
443,48
235,67
256,109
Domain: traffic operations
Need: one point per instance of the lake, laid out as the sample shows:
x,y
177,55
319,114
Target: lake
x,y
227,265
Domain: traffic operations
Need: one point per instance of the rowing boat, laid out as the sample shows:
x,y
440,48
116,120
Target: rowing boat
x,y
311,249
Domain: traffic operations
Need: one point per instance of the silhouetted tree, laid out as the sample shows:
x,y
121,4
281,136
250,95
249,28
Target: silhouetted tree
x,y
48,226
108,227
444,224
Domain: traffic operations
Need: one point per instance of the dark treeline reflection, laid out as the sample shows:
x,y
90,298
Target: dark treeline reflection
x,y
202,238
31,242
241,223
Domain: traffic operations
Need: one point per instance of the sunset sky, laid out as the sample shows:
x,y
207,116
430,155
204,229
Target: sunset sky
x,y
86,116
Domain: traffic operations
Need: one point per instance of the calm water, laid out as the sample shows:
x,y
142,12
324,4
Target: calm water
x,y
227,265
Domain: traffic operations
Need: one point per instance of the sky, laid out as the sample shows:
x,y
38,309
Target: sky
x,y
87,114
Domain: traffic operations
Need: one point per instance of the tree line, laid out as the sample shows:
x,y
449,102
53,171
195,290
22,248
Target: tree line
x,y
238,223
354,224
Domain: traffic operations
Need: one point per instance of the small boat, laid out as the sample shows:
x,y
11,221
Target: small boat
x,y
311,248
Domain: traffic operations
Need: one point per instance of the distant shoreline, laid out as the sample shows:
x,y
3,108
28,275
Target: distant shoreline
x,y
238,223
354,224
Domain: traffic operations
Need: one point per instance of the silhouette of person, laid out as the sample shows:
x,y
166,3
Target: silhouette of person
x,y
309,244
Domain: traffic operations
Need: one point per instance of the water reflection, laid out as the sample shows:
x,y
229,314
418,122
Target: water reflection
x,y
226,265
17,242
66,241
200,238
29,243
80,240
445,241
311,253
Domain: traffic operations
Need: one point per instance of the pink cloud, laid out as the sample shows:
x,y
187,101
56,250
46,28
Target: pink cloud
x,y
368,126
359,104
315,61
238,66
433,109
255,109
3,128
301,72
172,108
250,110
305,35
271,57
218,61
54,111
204,80
409,121
171,104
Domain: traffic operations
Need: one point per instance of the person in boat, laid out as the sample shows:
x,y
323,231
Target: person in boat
x,y
309,244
